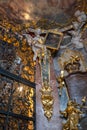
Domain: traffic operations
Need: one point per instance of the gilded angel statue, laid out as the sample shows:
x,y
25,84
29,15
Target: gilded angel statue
x,y
73,115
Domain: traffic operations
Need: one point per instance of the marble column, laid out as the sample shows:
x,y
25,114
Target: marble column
x,y
41,121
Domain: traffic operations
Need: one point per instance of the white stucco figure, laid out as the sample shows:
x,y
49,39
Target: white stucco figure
x,y
81,19
36,42
76,39
76,33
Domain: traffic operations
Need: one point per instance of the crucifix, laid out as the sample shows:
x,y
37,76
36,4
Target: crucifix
x,y
43,42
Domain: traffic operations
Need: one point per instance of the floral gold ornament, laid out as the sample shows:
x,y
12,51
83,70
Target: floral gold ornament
x,y
47,101
72,65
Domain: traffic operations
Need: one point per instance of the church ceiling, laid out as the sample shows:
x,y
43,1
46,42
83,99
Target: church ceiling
x,y
49,11
29,10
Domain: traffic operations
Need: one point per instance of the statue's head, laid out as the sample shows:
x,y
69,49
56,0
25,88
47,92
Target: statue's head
x,y
81,16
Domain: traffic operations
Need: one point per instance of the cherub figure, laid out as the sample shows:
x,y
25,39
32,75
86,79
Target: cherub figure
x,y
73,115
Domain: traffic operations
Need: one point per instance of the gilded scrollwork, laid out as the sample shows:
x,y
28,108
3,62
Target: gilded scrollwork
x,y
47,101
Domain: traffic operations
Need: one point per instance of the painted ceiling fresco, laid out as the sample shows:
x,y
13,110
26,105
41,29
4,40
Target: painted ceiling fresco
x,y
25,10
42,13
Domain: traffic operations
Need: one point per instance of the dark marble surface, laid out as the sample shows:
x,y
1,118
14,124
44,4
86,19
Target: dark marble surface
x,y
83,123
77,85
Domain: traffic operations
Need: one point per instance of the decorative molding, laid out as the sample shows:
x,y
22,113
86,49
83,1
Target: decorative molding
x,y
46,90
